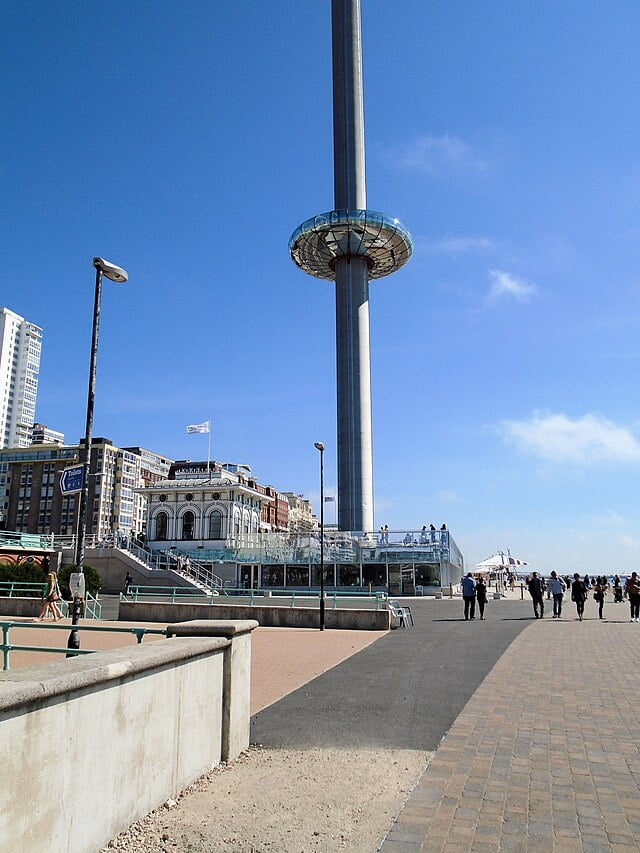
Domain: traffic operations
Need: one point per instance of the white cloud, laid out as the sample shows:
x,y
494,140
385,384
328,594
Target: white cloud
x,y
588,439
505,284
459,245
435,155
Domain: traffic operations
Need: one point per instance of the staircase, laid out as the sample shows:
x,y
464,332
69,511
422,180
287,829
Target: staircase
x,y
197,574
154,567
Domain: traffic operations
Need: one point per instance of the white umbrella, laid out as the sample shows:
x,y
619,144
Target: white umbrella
x,y
501,561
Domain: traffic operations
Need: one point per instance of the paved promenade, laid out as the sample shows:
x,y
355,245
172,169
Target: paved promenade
x,y
536,723
545,755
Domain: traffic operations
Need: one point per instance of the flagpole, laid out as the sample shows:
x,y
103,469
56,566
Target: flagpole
x,y
209,448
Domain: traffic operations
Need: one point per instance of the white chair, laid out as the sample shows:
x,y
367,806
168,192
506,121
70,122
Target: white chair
x,y
400,615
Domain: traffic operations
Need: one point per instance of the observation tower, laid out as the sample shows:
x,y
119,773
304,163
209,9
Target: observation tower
x,y
351,245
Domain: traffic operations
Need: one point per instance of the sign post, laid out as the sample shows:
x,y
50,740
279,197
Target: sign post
x,y
71,480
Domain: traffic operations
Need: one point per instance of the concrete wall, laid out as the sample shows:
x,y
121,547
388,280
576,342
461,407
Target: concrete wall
x,y
270,617
15,606
91,744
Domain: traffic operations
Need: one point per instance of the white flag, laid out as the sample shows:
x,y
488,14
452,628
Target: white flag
x,y
196,428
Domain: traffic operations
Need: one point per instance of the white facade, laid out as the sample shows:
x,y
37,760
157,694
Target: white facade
x,y
20,345
301,517
42,434
208,513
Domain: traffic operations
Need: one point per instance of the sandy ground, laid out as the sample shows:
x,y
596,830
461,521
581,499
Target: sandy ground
x,y
284,801
280,801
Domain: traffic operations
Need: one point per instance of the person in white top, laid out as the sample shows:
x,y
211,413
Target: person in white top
x,y
557,587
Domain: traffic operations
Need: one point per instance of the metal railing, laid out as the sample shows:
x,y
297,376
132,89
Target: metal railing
x,y
7,647
92,607
340,547
34,589
25,541
176,594
385,547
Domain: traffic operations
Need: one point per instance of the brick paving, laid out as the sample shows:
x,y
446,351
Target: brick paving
x,y
283,659
544,756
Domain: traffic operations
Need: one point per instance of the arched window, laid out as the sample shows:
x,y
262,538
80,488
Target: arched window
x,y
188,523
215,525
162,523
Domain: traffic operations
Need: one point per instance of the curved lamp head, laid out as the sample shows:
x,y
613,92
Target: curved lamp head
x,y
319,446
111,271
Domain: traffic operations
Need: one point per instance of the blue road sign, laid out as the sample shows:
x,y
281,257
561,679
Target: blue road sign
x,y
71,480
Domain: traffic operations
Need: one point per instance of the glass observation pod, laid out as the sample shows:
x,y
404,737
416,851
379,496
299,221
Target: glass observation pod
x,y
318,243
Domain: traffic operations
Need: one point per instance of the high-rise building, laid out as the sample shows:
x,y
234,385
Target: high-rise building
x,y
20,345
31,500
42,434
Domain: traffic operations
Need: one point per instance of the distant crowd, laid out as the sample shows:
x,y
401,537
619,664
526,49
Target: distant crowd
x,y
474,591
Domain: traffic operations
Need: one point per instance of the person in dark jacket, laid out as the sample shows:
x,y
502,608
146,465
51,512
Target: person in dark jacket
x,y
481,595
127,582
578,594
469,596
632,591
599,591
536,590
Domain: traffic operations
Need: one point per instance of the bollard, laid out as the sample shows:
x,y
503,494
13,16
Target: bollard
x,y
450,590
521,592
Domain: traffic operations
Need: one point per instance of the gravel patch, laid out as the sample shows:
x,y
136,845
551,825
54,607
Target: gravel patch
x,y
284,800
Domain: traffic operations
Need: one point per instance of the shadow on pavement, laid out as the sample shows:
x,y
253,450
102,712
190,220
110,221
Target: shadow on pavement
x,y
403,691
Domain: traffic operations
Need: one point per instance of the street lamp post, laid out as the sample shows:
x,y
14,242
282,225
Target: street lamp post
x,y
320,446
113,273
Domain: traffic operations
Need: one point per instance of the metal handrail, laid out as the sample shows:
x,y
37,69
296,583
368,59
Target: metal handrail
x,y
31,587
92,607
9,587
6,647
139,591
26,541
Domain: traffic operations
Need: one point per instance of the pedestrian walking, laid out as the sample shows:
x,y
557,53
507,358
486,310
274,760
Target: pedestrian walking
x,y
536,590
578,594
556,587
617,590
599,591
469,596
632,591
50,599
127,582
481,595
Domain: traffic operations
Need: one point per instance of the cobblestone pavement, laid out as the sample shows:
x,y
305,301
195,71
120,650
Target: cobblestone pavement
x,y
544,756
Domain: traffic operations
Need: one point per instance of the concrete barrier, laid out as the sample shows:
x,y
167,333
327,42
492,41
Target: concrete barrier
x,y
270,617
91,744
236,701
18,606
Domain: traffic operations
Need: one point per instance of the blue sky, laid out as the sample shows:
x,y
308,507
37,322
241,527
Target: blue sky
x,y
187,141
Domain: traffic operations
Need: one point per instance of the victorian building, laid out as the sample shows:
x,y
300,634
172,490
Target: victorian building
x,y
207,507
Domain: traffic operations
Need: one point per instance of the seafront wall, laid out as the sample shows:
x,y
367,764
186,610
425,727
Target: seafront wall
x,y
266,616
91,744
